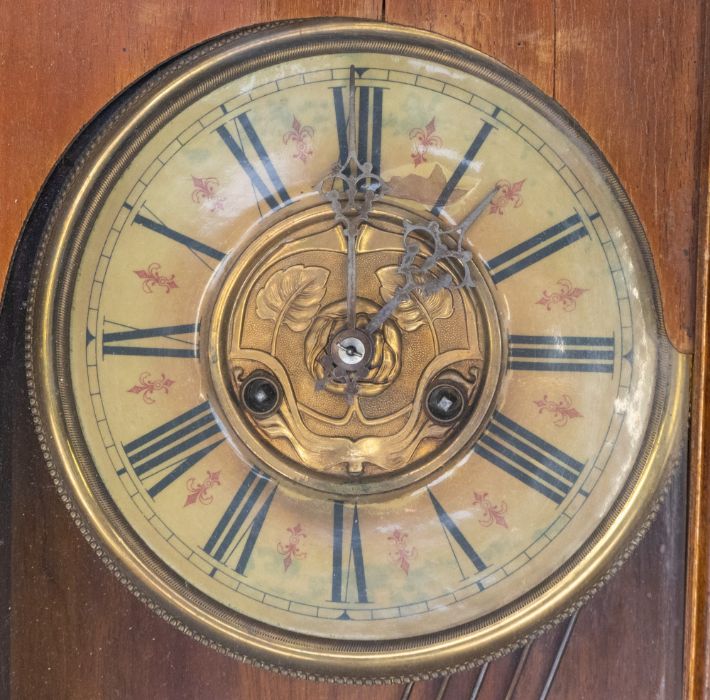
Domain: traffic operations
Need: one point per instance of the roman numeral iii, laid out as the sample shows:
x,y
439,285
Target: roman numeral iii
x,y
560,353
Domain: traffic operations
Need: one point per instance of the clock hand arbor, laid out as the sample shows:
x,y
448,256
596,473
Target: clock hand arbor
x,y
447,245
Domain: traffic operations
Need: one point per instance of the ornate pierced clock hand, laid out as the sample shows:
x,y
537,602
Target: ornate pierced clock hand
x,y
419,278
351,190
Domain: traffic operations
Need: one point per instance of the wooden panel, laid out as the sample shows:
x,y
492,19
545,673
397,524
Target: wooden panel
x,y
520,34
62,62
627,71
698,583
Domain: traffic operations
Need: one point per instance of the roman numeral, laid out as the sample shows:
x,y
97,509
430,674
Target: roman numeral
x,y
454,536
369,125
462,167
164,454
149,221
528,458
234,538
272,192
164,341
347,560
559,353
536,248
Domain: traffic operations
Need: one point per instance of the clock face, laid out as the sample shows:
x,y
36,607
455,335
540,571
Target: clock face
x,y
349,352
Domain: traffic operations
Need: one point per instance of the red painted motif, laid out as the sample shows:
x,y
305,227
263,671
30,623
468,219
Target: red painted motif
x,y
206,193
566,295
508,193
562,410
490,512
422,140
292,549
401,554
302,136
146,386
152,278
199,492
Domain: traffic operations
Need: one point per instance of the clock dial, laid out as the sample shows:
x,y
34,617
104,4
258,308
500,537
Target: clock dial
x,y
358,352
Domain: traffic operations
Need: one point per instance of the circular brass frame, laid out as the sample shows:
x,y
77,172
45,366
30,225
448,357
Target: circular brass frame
x,y
139,115
225,299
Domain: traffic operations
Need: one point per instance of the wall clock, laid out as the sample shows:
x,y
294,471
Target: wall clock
x,y
347,353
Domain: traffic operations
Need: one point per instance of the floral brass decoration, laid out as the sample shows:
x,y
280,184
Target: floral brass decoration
x,y
386,360
292,297
419,308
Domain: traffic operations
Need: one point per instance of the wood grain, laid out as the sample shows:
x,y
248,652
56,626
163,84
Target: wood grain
x,y
629,72
697,617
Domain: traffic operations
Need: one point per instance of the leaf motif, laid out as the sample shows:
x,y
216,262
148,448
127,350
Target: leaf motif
x,y
292,296
419,308
431,127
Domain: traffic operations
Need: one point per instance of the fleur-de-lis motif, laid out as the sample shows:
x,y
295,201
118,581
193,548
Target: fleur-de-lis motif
x,y
198,492
147,387
152,278
206,193
562,410
401,554
490,512
422,140
292,549
566,295
507,194
302,136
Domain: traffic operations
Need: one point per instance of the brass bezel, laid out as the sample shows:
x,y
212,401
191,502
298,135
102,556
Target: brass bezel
x,y
111,537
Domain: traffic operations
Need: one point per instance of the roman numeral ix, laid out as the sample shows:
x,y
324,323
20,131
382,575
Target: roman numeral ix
x,y
165,453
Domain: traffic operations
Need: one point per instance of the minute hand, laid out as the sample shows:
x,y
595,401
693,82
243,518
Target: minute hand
x,y
414,284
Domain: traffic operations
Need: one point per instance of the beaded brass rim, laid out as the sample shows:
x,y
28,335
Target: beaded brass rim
x,y
110,535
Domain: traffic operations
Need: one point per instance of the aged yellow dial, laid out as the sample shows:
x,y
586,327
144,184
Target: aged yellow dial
x,y
347,351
